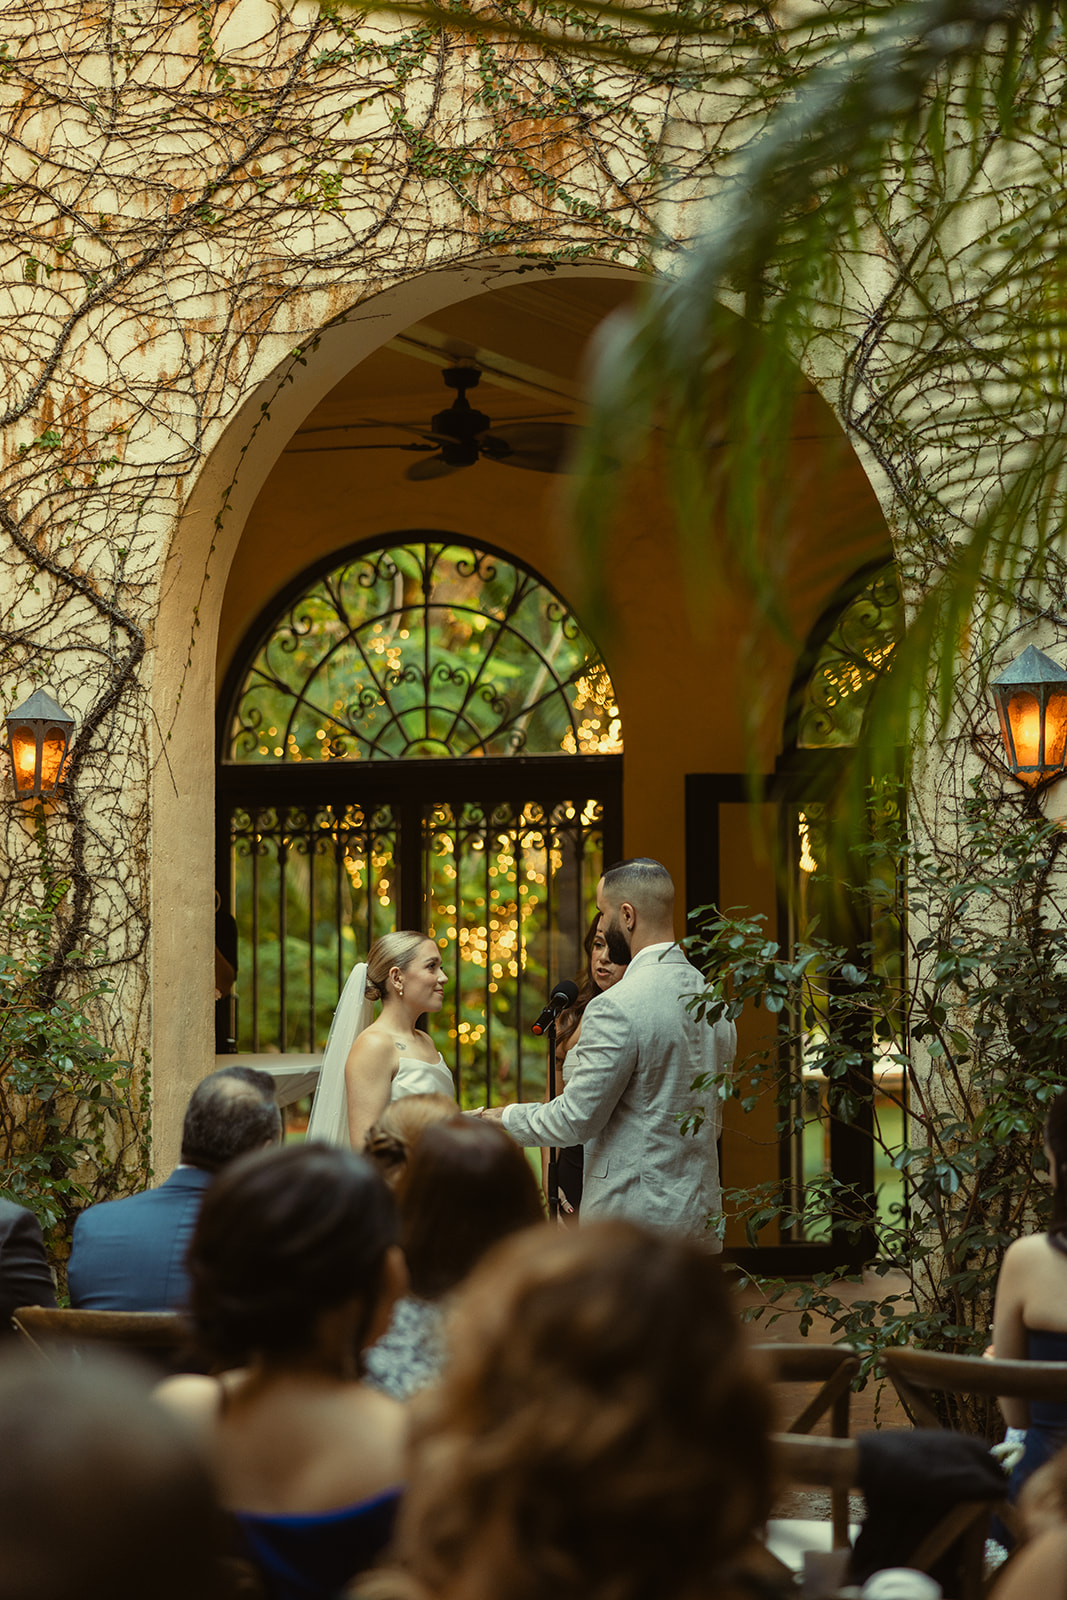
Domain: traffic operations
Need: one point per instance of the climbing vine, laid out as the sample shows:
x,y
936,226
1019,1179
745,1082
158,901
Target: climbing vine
x,y
186,192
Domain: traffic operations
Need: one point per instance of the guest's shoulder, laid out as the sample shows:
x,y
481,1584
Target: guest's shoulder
x,y
12,1214
1039,1568
669,967
108,1213
193,1397
1027,1251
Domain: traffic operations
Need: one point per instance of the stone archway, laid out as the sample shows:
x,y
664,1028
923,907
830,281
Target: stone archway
x,y
674,642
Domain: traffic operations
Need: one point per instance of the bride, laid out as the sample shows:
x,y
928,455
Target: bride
x,y
368,1063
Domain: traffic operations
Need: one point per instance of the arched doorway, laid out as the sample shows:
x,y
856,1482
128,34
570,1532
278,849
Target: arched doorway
x,y
416,733
849,650
792,1142
329,470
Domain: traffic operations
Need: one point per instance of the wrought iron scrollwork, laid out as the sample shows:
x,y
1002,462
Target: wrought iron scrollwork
x,y
857,653
425,649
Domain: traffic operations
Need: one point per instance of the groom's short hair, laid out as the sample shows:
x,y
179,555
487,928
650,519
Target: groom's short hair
x,y
643,883
232,1111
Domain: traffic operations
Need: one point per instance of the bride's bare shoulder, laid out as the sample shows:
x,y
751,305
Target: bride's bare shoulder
x,y
372,1048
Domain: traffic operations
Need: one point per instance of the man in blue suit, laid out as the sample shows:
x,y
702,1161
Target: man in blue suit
x,y
129,1255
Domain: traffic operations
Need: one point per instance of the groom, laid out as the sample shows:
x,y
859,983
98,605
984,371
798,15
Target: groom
x,y
630,1076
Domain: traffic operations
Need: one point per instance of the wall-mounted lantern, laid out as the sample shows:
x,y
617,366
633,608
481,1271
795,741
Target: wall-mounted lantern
x,y
38,735
1031,701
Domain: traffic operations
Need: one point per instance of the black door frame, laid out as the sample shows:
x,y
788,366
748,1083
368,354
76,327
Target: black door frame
x,y
408,787
800,776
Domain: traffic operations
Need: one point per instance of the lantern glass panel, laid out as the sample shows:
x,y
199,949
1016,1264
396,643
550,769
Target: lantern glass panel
x,y
53,750
1056,729
1024,719
24,754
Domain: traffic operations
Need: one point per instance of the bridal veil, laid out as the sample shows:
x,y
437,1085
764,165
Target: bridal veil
x,y
328,1123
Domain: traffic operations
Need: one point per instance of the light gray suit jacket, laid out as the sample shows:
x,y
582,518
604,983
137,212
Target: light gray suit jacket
x,y
629,1081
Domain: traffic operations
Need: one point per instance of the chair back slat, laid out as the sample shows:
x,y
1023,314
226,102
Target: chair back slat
x,y
41,1326
917,1373
833,1366
820,1462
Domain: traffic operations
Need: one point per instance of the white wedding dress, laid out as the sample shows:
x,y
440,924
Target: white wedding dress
x,y
422,1077
328,1123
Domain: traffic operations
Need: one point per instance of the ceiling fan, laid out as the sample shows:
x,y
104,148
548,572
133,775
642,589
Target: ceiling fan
x,y
459,436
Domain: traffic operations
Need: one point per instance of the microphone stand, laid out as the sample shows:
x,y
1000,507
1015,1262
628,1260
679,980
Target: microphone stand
x,y
553,1171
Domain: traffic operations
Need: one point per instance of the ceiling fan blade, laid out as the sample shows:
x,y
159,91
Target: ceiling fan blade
x,y
432,438
432,467
544,447
545,436
535,460
400,427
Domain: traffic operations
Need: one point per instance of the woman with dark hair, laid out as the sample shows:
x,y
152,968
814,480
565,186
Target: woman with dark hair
x,y
294,1267
467,1186
600,1433
1030,1313
600,973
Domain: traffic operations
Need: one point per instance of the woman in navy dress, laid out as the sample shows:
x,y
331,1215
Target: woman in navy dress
x,y
294,1268
1030,1314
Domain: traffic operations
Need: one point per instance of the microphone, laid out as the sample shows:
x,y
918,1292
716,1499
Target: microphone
x,y
563,995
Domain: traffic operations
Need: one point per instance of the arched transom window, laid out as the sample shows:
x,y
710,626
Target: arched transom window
x,y
425,650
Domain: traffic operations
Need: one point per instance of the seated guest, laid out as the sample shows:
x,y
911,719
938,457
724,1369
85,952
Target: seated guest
x,y
25,1276
1040,1567
294,1269
101,1493
600,1431
467,1186
129,1255
399,1128
1030,1311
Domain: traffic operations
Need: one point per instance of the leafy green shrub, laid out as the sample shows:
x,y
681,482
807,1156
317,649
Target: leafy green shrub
x,y
975,1018
71,1115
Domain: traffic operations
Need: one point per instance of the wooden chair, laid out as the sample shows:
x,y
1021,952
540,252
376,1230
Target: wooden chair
x,y
915,1374
834,1464
833,1366
158,1335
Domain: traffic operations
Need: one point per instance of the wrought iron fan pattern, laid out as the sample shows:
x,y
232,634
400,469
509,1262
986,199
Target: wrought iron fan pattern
x,y
424,649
